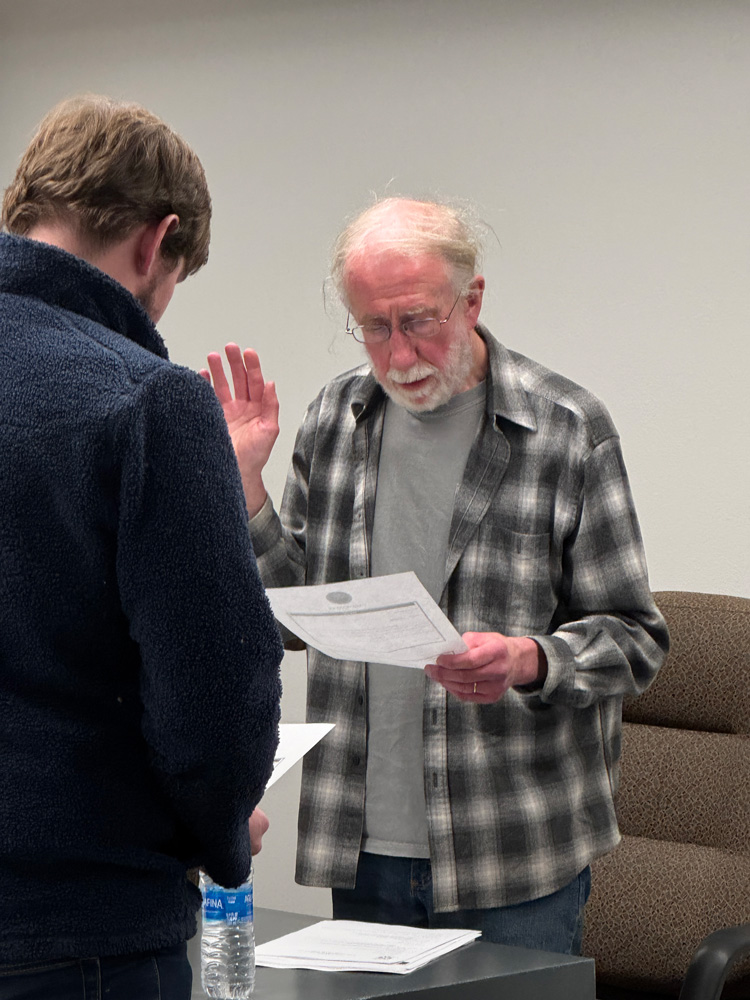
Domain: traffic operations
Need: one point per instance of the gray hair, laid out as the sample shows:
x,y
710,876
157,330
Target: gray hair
x,y
413,228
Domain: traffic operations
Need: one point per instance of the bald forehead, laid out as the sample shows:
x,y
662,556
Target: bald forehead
x,y
378,269
398,220
409,228
388,247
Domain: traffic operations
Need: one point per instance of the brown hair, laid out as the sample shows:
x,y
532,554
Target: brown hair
x,y
112,166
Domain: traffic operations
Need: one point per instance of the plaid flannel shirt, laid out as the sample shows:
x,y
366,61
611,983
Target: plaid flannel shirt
x,y
544,542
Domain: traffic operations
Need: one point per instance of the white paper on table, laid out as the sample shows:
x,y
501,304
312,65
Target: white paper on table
x,y
295,739
357,946
381,619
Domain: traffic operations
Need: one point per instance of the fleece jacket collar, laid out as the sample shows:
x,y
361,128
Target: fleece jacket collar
x,y
38,270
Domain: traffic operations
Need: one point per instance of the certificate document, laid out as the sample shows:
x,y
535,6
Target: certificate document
x,y
381,619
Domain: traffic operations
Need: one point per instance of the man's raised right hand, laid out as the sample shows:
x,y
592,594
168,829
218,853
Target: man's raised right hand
x,y
252,416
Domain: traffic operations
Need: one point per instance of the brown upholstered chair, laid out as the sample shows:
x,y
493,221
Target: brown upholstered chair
x,y
682,870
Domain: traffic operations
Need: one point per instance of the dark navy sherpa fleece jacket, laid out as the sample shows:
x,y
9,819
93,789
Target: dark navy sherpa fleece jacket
x,y
139,659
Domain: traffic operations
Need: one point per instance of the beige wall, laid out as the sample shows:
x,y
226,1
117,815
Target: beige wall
x,y
606,143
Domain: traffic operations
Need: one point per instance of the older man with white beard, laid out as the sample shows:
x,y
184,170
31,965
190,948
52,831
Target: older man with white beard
x,y
476,793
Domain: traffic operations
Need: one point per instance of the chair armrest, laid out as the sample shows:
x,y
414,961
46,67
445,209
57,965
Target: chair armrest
x,y
712,962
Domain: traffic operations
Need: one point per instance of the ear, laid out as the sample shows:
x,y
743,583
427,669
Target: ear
x,y
150,241
474,296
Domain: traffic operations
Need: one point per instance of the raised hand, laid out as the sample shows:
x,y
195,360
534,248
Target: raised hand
x,y
252,415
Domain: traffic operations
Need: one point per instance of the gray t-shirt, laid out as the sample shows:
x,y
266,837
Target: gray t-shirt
x,y
422,461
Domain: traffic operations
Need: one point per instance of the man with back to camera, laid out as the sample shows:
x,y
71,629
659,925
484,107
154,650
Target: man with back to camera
x,y
476,796
139,659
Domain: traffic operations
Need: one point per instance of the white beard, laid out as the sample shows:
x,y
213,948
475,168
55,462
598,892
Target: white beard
x,y
445,384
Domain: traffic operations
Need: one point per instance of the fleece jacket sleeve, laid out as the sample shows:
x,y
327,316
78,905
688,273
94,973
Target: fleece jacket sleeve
x,y
190,588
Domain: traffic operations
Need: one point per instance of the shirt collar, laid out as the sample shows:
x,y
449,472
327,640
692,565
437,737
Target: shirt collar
x,y
367,394
506,396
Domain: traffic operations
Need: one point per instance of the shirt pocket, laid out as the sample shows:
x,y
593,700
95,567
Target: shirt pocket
x,y
513,591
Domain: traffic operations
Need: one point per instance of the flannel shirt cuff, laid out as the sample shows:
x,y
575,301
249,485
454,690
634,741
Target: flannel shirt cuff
x,y
265,528
561,668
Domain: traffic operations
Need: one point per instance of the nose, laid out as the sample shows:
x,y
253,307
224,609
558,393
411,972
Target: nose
x,y
403,350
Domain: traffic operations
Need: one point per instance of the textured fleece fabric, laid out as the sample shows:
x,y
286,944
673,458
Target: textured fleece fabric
x,y
139,659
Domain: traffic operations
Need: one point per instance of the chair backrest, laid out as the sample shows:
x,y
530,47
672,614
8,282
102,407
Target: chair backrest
x,y
703,683
683,868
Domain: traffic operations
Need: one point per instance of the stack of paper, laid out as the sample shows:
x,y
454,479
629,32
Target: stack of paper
x,y
355,946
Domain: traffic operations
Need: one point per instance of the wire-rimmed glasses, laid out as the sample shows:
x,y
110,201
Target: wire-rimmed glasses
x,y
420,328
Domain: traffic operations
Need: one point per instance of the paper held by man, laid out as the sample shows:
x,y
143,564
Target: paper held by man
x,y
381,619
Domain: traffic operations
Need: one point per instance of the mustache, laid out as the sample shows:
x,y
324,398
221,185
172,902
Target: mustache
x,y
421,370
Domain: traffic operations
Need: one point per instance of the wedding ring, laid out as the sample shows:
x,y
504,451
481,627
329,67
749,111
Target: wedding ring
x,y
475,687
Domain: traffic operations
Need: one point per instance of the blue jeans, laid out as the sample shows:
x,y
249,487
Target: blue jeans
x,y
161,975
393,890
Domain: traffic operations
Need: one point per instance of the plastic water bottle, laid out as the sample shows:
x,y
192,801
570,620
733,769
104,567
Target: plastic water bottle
x,y
227,941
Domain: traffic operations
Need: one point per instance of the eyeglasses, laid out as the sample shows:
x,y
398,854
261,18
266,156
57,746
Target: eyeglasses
x,y
420,328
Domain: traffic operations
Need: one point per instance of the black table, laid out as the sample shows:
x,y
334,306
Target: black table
x,y
479,971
